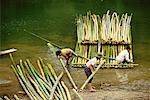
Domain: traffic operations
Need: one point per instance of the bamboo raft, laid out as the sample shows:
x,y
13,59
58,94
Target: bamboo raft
x,y
108,34
123,66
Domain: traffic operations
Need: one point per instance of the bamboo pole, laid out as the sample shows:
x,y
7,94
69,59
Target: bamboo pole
x,y
34,95
40,84
6,98
53,81
16,97
55,77
36,78
55,85
67,90
68,74
28,84
110,28
77,94
37,87
11,57
102,63
46,84
22,84
41,70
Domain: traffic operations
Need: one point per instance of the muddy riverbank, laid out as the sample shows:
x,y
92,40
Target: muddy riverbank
x,y
114,84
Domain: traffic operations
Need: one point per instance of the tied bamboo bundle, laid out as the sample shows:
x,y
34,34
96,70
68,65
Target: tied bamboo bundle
x,y
42,85
87,27
115,29
87,32
115,33
111,34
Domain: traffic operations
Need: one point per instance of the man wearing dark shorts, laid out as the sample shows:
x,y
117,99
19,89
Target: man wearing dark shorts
x,y
89,68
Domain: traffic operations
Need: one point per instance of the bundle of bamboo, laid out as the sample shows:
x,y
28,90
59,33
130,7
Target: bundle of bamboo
x,y
87,28
109,35
42,85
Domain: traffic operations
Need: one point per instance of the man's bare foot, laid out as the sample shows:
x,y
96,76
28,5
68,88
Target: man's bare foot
x,y
92,90
93,87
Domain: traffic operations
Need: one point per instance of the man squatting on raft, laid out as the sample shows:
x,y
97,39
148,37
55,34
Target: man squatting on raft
x,y
67,53
89,69
123,56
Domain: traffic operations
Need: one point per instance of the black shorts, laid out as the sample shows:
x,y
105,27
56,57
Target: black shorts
x,y
88,72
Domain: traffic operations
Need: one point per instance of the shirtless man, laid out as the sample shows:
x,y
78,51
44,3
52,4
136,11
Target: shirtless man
x,y
67,53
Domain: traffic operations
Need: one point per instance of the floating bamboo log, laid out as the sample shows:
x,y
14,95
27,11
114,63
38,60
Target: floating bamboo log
x,y
7,51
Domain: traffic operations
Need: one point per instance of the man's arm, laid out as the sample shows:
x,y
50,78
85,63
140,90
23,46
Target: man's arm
x,y
91,68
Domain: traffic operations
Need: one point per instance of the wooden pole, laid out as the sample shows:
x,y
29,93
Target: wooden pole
x,y
82,87
68,74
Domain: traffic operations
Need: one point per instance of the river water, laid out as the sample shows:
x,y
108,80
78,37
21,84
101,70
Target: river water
x,y
55,21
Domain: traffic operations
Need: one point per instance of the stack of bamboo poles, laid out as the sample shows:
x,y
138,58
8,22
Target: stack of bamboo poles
x,y
115,29
115,35
87,32
42,85
109,35
87,28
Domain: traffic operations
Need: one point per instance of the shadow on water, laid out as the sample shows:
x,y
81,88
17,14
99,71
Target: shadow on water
x,y
55,20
